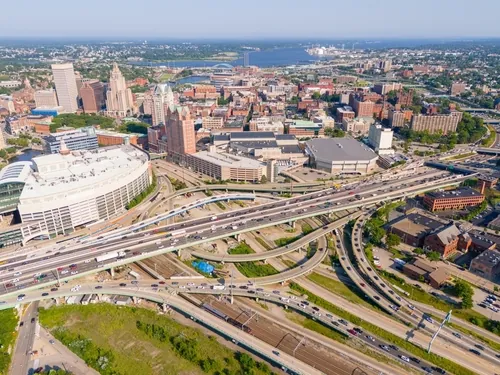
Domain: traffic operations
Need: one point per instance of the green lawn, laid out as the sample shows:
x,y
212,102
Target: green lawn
x,y
256,269
351,294
242,248
127,340
280,242
8,324
383,334
166,77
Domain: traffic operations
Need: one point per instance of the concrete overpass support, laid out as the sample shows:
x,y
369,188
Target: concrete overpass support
x,y
292,224
112,272
164,307
178,253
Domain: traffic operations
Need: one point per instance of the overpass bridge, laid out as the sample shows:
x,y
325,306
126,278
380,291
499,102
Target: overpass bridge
x,y
18,273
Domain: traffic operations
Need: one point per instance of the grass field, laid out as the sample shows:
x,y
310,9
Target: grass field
x,y
8,324
339,288
242,248
138,341
256,269
166,77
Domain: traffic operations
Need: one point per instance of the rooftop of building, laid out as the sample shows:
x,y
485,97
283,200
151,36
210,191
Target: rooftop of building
x,y
228,160
255,144
255,135
282,137
112,133
488,258
303,124
56,174
345,109
15,172
458,193
346,149
423,265
439,275
447,234
415,224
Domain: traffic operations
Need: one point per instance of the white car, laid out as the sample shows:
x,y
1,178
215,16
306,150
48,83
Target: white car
x,y
404,358
15,280
64,272
88,261
74,272
37,274
18,274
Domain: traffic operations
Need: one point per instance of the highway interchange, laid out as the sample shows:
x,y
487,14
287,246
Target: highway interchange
x,y
78,259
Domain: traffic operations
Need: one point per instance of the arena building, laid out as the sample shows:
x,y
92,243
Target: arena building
x,y
73,188
340,155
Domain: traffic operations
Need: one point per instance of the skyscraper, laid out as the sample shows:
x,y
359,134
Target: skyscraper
x,y
119,101
66,90
246,59
161,99
181,137
92,93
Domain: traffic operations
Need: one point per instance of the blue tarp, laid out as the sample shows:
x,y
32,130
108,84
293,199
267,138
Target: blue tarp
x,y
203,266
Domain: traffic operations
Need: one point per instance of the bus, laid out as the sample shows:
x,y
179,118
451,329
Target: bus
x,y
178,233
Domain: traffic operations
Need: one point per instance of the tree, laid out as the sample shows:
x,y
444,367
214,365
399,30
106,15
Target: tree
x,y
463,290
392,240
316,95
433,256
418,251
263,179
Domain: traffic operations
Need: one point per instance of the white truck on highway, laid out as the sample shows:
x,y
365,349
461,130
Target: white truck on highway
x,y
213,218
218,287
110,255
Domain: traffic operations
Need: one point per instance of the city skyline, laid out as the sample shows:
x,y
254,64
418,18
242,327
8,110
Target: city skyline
x,y
458,19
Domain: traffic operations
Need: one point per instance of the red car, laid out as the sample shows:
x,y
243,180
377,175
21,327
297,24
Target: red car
x,y
161,282
362,284
352,332
60,268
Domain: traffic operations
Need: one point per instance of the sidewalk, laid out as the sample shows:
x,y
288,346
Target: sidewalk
x,y
57,355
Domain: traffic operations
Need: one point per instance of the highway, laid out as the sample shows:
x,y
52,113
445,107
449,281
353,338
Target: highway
x,y
166,292
19,272
387,296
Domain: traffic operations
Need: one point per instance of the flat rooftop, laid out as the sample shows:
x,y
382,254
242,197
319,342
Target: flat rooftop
x,y
228,160
416,225
58,174
339,149
488,258
458,193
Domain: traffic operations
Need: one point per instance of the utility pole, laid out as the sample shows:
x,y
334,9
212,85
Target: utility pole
x,y
446,319
300,342
243,325
58,279
231,298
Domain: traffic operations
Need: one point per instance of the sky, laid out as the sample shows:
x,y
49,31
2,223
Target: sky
x,y
255,19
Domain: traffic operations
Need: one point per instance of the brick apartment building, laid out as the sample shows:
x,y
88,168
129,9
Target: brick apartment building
x,y
361,108
452,199
435,123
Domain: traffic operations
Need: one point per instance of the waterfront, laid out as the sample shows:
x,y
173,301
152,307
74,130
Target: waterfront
x,y
262,59
25,155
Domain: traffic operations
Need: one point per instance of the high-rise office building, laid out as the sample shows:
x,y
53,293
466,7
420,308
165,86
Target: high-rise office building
x,y
181,138
46,98
119,100
79,139
246,59
92,94
161,99
66,90
380,139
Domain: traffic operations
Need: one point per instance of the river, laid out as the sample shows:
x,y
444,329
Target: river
x,y
26,155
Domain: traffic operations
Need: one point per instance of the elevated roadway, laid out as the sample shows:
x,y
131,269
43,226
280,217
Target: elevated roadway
x,y
301,242
19,272
167,294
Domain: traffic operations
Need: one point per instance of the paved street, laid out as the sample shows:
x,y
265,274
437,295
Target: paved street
x,y
24,345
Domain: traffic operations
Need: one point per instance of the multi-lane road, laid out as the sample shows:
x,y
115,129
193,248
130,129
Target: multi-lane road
x,y
49,265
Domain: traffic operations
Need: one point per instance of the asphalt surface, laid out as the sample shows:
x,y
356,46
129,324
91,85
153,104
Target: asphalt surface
x,y
16,275
24,345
